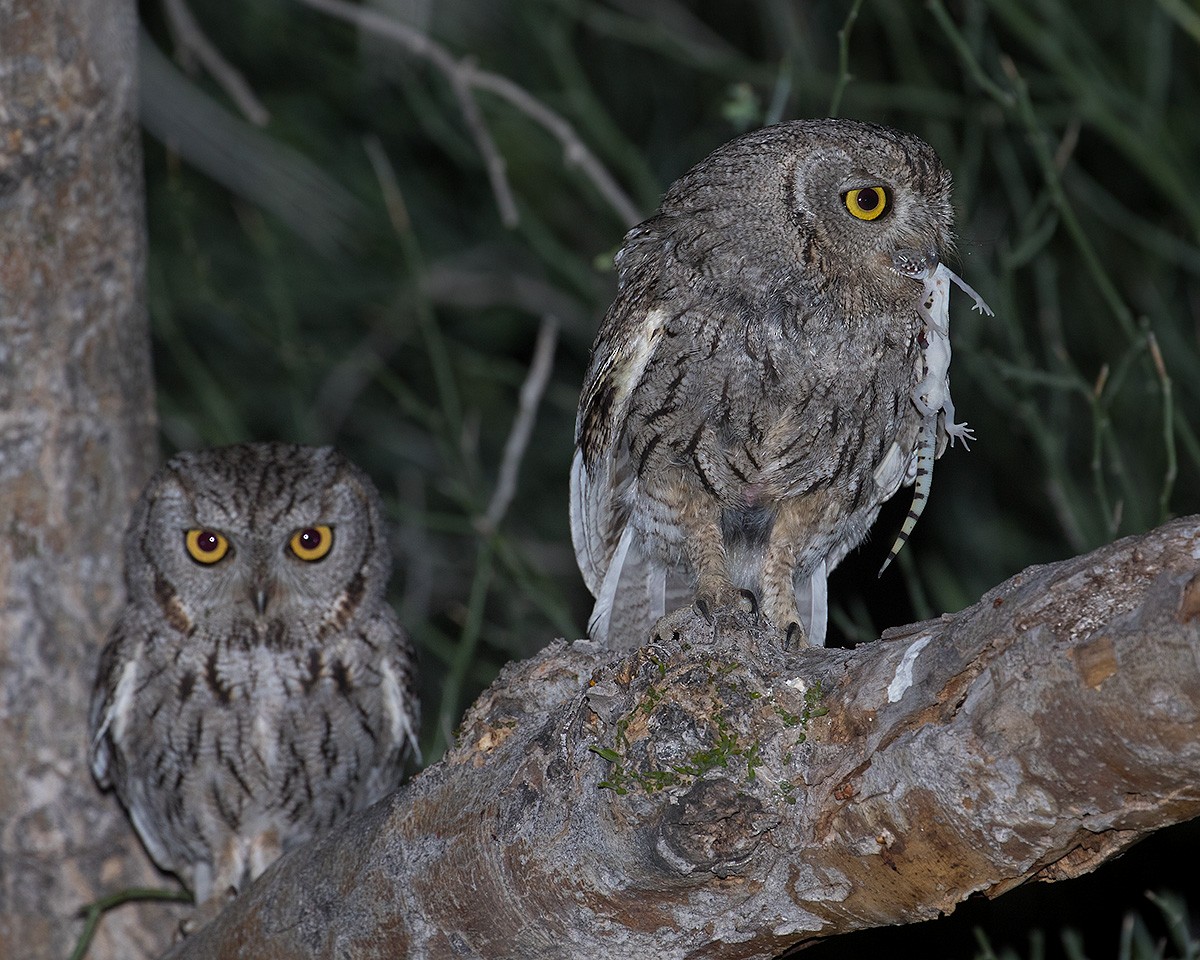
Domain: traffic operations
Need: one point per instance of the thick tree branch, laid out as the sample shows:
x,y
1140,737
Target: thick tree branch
x,y
747,799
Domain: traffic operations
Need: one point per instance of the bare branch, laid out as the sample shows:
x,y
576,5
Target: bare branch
x,y
465,77
518,438
191,39
712,794
492,161
575,151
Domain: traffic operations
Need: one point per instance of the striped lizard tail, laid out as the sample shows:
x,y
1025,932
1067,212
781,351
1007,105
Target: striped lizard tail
x,y
926,449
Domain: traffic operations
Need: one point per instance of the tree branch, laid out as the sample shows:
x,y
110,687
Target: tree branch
x,y
713,795
191,42
522,428
464,78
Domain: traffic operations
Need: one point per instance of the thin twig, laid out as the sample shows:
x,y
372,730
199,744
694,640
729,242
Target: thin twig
x,y
465,78
493,162
457,73
1172,470
439,358
844,75
575,151
93,912
393,199
468,641
1053,181
1187,18
192,41
967,56
518,438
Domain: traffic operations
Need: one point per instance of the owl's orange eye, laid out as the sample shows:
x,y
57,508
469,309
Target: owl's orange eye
x,y
312,543
205,546
867,203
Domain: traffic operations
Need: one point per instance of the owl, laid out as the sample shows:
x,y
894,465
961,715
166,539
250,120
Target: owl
x,y
750,400
257,687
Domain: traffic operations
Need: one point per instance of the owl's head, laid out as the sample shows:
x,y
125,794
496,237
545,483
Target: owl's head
x,y
821,205
270,534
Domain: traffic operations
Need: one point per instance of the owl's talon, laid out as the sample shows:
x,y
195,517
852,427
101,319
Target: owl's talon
x,y
703,608
794,637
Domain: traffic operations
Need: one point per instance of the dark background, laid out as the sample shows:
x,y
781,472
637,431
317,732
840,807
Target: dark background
x,y
341,274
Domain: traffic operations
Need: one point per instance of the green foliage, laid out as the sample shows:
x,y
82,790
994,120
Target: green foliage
x,y
346,273
94,912
727,747
1136,940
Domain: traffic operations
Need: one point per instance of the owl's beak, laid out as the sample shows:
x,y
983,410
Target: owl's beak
x,y
262,592
917,264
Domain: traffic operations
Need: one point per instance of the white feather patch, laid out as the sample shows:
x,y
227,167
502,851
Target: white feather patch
x,y
116,719
393,706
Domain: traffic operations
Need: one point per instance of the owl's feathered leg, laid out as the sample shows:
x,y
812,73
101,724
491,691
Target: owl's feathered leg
x,y
706,552
263,851
786,598
215,884
678,517
232,871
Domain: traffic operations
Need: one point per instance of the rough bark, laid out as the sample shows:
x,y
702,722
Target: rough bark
x,y
76,440
757,799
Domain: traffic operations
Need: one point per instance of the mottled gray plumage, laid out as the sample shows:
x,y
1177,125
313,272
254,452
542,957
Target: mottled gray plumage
x,y
748,404
247,703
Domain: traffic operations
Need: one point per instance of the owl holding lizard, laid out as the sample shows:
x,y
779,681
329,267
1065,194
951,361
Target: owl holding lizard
x,y
749,403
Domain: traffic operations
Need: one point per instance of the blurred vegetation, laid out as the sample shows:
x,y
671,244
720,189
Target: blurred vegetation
x,y
347,273
1137,940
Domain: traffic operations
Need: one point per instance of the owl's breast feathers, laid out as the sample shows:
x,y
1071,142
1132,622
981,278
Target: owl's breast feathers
x,y
758,398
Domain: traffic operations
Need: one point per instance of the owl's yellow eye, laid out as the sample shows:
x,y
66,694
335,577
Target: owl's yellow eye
x,y
205,546
312,543
868,203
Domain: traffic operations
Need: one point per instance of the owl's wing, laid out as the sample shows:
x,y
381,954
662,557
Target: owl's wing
x,y
601,475
112,704
119,684
399,704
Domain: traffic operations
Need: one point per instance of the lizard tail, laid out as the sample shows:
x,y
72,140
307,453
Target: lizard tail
x,y
926,448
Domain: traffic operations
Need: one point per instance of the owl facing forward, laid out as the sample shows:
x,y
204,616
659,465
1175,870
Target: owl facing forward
x,y
748,405
257,688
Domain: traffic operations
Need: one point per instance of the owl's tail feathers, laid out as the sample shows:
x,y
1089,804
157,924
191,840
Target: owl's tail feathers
x,y
601,619
595,519
630,590
632,597
812,601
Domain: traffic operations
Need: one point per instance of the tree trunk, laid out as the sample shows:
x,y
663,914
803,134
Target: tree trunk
x,y
712,795
77,440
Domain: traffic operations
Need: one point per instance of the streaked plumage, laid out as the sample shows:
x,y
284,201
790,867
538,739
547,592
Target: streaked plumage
x,y
257,688
748,406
